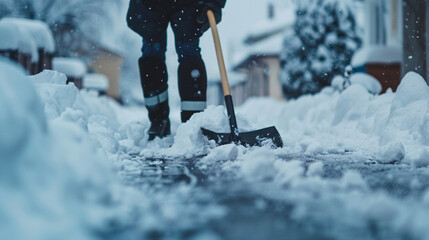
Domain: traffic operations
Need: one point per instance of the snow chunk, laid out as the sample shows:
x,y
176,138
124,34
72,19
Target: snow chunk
x,y
412,88
391,153
188,136
72,67
57,98
315,148
353,180
99,128
338,83
367,81
347,100
380,208
262,164
315,170
426,197
49,76
424,127
135,132
223,153
206,236
288,172
259,165
418,158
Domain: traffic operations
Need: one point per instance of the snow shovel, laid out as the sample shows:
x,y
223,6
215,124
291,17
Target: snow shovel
x,y
253,138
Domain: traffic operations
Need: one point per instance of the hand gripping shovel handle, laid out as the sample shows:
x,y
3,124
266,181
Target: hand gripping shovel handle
x,y
219,54
224,77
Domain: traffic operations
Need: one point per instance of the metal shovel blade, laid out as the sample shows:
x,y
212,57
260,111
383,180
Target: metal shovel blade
x,y
253,138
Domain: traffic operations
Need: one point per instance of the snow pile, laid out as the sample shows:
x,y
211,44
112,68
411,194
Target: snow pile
x,y
61,153
23,124
418,158
371,84
389,128
38,164
62,149
386,127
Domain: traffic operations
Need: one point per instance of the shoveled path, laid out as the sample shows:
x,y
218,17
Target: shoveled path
x,y
251,215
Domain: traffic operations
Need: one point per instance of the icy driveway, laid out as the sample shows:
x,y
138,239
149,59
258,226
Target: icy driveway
x,y
265,209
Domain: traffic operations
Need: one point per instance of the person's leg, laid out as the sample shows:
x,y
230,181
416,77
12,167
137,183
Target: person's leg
x,y
192,78
152,26
192,73
153,74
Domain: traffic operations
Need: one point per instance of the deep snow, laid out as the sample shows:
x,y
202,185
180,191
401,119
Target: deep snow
x,y
79,166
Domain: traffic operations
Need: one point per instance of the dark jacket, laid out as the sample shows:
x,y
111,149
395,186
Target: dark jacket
x,y
163,5
150,18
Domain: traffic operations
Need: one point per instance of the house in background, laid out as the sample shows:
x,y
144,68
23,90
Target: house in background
x,y
259,58
108,62
105,60
215,94
396,40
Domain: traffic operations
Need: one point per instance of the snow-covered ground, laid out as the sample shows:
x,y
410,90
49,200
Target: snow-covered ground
x,y
78,166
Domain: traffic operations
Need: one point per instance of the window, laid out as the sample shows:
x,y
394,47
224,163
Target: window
x,y
395,23
376,22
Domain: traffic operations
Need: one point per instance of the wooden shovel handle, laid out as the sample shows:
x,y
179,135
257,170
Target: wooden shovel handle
x,y
223,75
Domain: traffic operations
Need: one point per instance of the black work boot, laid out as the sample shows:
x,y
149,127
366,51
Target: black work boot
x,y
160,123
153,73
159,129
192,86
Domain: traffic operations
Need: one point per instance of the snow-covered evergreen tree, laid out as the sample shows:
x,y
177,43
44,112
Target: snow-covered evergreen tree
x,y
326,36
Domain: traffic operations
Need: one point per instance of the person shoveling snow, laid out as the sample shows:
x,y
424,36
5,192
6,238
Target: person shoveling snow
x,y
188,19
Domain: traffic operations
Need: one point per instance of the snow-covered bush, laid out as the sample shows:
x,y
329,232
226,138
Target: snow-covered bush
x,y
326,36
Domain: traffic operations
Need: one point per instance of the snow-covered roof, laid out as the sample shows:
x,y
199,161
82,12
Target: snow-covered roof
x,y
9,37
377,54
269,47
266,38
236,78
39,30
20,39
282,20
27,44
72,67
96,81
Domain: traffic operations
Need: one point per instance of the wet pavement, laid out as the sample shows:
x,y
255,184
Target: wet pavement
x,y
245,212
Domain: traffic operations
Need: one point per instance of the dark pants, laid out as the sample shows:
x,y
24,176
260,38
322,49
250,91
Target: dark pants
x,y
152,26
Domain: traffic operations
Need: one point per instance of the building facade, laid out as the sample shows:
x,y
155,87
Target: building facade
x,y
396,40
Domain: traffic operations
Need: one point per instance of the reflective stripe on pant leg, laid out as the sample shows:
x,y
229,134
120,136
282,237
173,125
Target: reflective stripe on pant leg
x,y
155,100
193,106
